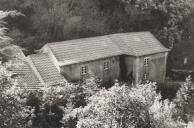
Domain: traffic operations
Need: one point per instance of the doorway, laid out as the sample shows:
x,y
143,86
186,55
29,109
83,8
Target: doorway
x,y
123,68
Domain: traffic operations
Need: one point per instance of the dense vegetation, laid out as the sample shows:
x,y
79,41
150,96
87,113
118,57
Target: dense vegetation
x,y
88,105
56,20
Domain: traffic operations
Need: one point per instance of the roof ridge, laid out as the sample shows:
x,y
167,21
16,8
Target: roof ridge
x,y
118,34
87,38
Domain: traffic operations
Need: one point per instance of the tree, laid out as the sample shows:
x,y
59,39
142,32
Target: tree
x,y
171,15
50,104
13,112
122,106
183,98
56,20
4,39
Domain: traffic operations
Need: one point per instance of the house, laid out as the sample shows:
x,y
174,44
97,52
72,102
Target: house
x,y
127,56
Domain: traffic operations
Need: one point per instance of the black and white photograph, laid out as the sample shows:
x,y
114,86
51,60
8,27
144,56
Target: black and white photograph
x,y
96,63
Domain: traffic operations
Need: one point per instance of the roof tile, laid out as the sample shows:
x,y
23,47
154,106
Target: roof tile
x,y
27,77
46,68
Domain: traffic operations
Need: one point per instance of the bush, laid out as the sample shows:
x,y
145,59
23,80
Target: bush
x,y
168,90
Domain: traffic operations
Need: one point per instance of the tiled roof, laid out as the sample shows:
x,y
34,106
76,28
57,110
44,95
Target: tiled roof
x,y
27,77
18,65
86,49
138,43
46,68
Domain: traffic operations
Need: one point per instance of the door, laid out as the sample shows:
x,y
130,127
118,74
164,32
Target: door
x,y
123,68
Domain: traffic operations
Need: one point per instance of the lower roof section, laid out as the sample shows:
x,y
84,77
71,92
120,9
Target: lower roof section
x,y
45,68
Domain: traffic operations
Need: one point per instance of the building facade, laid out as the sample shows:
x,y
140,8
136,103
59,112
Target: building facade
x,y
126,56
123,67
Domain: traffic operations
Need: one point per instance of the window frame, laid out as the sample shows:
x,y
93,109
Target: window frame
x,y
84,70
106,65
146,61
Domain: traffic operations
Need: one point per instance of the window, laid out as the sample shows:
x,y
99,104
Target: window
x,y
146,61
106,65
145,76
84,70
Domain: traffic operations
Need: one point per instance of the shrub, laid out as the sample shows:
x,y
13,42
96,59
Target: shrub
x,y
168,90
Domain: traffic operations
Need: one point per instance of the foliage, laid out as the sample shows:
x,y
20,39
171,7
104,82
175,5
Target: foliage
x,y
13,112
168,90
172,14
56,20
49,105
118,106
183,98
122,106
3,30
